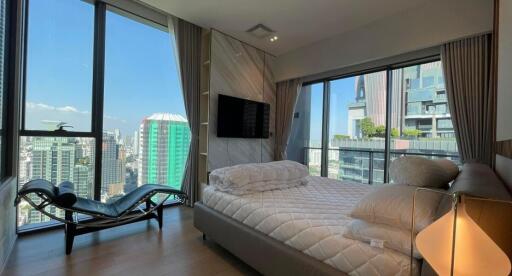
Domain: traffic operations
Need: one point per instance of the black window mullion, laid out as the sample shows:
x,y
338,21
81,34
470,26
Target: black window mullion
x,y
389,102
324,167
97,93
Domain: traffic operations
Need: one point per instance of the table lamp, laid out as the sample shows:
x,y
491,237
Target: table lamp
x,y
455,245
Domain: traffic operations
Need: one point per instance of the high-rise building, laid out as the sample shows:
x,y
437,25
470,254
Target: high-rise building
x,y
136,142
82,181
163,149
113,166
52,159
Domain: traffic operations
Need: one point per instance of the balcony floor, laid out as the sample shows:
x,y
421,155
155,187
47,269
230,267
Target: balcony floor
x,y
136,249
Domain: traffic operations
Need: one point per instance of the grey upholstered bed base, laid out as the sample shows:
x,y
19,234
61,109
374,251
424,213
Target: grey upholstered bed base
x,y
266,255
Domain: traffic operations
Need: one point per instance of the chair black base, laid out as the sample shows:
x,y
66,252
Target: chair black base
x,y
72,230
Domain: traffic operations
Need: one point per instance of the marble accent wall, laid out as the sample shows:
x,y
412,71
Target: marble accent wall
x,y
239,70
7,220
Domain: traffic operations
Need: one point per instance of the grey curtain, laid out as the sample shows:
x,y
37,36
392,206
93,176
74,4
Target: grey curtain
x,y
188,52
471,96
287,93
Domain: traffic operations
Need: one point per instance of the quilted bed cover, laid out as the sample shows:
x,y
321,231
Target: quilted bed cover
x,y
312,219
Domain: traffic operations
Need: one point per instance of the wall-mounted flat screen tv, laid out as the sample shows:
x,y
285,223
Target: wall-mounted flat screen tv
x,y
241,118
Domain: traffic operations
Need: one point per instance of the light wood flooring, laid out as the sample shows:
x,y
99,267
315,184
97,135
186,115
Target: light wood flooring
x,y
136,249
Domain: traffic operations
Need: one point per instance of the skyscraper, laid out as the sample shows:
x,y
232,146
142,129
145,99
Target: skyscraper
x,y
113,166
52,159
163,150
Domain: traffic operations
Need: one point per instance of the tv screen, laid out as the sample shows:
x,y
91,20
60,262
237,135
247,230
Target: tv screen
x,y
240,118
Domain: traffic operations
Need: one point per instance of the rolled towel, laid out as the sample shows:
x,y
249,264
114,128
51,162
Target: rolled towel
x,y
258,177
66,196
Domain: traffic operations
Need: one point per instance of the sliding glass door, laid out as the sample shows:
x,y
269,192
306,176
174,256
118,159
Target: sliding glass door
x,y
368,120
102,105
357,128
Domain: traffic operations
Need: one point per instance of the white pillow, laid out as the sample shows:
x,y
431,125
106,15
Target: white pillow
x,y
422,172
393,238
391,204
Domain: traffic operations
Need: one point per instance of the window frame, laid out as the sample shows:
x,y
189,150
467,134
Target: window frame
x,y
130,10
389,83
10,56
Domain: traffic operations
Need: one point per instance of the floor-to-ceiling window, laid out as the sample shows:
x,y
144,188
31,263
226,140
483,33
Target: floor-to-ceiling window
x,y
357,128
372,119
102,105
145,131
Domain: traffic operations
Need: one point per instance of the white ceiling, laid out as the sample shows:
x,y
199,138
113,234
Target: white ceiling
x,y
297,22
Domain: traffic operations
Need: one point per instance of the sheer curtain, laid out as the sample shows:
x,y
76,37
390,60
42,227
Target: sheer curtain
x,y
471,96
287,93
188,52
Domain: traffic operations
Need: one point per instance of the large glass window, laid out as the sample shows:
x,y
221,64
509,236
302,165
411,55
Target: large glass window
x,y
364,126
305,144
139,134
60,37
145,134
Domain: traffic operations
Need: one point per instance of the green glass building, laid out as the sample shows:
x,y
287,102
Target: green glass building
x,y
164,141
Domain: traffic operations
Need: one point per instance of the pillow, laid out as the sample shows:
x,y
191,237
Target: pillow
x,y
66,196
423,172
393,238
391,204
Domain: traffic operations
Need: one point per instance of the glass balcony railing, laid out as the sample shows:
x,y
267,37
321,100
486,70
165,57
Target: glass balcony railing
x,y
361,165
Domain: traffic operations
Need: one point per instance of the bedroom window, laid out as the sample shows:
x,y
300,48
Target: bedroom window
x,y
373,118
102,105
357,128
145,132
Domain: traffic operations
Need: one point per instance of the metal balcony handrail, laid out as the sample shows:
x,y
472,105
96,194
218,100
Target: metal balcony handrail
x,y
371,155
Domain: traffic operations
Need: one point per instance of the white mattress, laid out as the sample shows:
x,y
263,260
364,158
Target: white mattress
x,y
312,219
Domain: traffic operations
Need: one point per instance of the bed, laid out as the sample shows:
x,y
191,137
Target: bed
x,y
298,231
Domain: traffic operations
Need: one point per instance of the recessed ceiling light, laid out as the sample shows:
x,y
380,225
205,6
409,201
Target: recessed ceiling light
x,y
274,38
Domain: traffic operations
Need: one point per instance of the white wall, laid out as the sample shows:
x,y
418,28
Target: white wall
x,y
431,24
504,125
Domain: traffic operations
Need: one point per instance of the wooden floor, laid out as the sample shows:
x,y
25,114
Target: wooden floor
x,y
136,249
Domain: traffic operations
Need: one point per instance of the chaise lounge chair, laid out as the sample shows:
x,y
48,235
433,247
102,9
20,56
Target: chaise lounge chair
x,y
126,209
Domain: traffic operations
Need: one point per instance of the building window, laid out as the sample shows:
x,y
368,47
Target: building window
x,y
139,133
416,122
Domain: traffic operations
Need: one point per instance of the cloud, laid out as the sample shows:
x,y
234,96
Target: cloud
x,y
31,106
113,118
43,106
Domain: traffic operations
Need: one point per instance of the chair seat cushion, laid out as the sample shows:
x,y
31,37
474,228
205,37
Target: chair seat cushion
x,y
94,207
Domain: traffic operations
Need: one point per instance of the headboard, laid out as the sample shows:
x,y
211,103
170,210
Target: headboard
x,y
504,170
480,181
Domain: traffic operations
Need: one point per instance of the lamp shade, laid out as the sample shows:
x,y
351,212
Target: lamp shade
x,y
475,253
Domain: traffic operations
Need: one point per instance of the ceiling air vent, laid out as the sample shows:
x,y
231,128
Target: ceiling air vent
x,y
261,31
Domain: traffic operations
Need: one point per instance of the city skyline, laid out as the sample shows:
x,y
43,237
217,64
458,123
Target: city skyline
x,y
158,155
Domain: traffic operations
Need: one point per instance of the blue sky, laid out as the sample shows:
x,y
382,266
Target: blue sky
x,y
342,94
141,75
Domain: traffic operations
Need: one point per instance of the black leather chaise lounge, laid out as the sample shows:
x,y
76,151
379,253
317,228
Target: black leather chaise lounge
x,y
135,206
